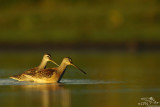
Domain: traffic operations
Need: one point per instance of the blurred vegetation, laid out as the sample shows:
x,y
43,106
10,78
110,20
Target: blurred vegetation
x,y
40,21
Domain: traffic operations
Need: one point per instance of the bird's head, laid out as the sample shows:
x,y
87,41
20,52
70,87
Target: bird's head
x,y
68,61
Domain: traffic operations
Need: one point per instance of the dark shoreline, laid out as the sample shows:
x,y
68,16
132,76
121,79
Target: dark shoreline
x,y
109,46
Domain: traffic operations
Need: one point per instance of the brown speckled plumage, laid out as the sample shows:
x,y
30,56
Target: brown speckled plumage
x,y
33,71
45,73
50,75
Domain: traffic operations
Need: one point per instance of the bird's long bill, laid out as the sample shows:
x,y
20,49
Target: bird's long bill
x,y
54,62
78,68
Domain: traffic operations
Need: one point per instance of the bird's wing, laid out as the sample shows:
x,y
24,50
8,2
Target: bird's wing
x,y
31,71
46,72
28,72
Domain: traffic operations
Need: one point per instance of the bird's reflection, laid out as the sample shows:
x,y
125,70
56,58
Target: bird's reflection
x,y
52,94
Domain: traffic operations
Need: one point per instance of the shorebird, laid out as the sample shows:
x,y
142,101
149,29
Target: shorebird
x,y
52,75
45,59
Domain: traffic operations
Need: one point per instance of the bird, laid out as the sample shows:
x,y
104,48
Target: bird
x,y
52,75
45,59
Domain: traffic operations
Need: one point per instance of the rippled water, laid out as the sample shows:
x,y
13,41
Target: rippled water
x,y
63,81
112,80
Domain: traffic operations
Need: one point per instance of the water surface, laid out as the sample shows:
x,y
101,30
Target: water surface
x,y
112,80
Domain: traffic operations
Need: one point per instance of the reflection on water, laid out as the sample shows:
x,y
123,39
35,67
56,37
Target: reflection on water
x,y
44,95
112,80
61,99
73,93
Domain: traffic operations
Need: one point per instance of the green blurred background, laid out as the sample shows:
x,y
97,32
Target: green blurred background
x,y
117,42
80,23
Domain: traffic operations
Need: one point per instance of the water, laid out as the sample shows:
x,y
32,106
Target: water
x,y
112,80
63,81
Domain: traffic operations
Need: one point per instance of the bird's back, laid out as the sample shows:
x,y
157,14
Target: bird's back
x,y
44,76
22,76
46,73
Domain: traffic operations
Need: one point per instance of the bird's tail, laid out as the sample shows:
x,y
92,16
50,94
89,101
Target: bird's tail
x,y
16,77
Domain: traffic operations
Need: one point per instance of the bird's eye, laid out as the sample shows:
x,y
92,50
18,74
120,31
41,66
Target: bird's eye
x,y
48,56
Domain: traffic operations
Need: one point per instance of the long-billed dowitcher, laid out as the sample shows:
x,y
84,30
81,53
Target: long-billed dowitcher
x,y
52,75
45,59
